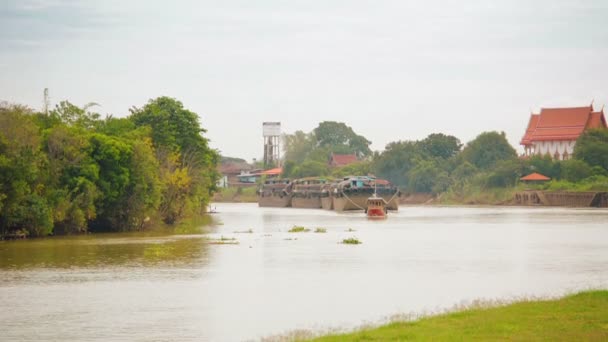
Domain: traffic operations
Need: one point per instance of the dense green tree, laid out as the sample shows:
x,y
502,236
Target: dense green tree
x,y
505,173
592,148
545,165
574,170
340,138
354,169
311,168
22,205
187,164
438,145
298,146
487,149
396,161
427,177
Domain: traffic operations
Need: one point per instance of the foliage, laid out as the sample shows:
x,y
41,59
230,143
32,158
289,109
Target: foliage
x,y
298,229
71,171
592,148
439,145
574,170
310,168
351,241
359,168
396,161
426,176
187,164
340,138
306,152
487,149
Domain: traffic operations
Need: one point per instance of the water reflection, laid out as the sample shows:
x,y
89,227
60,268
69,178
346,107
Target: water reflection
x,y
105,250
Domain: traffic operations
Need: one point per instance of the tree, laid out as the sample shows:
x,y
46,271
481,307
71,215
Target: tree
x,y
22,204
396,161
592,147
340,138
427,177
188,167
545,165
439,145
487,149
359,168
574,170
298,146
311,168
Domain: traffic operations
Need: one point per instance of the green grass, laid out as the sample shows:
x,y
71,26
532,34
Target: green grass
x,y
320,230
578,317
234,194
351,241
298,229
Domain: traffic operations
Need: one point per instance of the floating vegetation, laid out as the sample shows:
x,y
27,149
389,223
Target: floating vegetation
x,y
299,229
350,230
249,231
320,230
223,241
351,241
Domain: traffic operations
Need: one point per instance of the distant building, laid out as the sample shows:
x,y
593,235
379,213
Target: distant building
x,y
554,131
339,160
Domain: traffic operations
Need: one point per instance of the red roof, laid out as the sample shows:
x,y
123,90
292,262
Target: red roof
x,y
597,120
526,140
342,159
562,124
535,177
272,172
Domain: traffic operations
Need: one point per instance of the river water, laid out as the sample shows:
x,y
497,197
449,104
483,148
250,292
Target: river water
x,y
177,286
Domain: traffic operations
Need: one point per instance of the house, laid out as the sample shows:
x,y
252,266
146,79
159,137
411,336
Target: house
x,y
554,131
253,176
231,169
339,160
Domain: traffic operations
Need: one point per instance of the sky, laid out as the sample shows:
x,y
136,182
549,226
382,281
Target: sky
x,y
392,70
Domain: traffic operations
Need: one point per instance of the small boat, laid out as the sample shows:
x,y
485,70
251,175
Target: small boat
x,y
376,207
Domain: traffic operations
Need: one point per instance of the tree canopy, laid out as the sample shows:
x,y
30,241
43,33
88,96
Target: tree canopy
x,y
71,171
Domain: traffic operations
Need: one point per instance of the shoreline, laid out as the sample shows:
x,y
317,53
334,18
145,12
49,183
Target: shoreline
x,y
573,317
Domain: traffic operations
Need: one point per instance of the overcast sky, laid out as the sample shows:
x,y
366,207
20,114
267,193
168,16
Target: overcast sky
x,y
393,70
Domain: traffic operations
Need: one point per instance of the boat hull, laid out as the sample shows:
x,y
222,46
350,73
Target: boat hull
x,y
327,203
274,201
356,202
301,202
359,202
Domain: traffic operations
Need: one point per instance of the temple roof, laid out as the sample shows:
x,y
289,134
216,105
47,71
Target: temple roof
x,y
562,124
342,159
535,177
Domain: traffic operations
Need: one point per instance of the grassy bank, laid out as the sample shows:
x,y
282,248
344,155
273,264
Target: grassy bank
x,y
234,194
579,317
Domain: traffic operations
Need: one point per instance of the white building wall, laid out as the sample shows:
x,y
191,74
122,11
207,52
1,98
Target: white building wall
x,y
564,149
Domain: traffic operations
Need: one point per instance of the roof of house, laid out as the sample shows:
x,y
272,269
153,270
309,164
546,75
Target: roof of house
x,y
342,159
562,124
272,172
535,177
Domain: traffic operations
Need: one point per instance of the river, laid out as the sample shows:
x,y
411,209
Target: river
x,y
175,285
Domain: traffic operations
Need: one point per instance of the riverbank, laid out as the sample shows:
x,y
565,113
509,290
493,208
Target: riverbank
x,y
579,317
236,195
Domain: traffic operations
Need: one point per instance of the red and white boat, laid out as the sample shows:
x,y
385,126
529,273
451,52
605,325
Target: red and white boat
x,y
376,207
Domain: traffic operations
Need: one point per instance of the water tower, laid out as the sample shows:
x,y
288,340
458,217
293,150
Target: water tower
x,y
272,141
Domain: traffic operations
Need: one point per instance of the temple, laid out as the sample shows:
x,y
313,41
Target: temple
x,y
554,131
